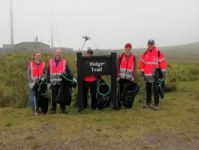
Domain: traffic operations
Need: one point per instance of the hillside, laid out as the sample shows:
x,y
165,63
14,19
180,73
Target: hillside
x,y
173,127
186,51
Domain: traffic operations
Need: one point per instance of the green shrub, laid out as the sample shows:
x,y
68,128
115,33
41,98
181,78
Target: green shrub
x,y
14,87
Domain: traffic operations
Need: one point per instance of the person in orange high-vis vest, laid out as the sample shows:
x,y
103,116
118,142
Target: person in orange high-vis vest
x,y
56,67
126,67
150,60
36,70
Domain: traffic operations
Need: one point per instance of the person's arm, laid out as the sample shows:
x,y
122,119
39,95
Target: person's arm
x,y
134,68
30,82
48,73
163,64
69,71
142,65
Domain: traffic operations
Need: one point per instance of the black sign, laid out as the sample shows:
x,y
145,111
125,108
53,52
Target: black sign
x,y
97,65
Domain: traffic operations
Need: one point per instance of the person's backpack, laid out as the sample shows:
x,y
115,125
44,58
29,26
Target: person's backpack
x,y
128,94
159,81
64,95
103,94
41,89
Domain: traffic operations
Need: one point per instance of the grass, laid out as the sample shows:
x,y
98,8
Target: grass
x,y
175,125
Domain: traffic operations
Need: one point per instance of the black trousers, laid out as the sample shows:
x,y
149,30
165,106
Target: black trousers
x,y
55,89
150,90
93,87
122,83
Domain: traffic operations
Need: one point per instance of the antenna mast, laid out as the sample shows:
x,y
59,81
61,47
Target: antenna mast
x,y
11,25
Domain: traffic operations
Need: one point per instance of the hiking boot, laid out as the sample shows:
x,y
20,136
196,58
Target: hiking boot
x,y
63,111
147,106
155,107
35,113
52,111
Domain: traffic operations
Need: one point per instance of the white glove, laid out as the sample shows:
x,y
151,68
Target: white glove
x,y
74,80
132,80
31,85
49,86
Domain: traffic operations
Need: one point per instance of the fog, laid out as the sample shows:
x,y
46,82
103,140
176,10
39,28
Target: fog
x,y
110,23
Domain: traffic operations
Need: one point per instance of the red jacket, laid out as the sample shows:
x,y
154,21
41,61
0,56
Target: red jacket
x,y
90,78
149,61
127,67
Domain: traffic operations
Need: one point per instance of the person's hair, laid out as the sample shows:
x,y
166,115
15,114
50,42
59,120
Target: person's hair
x,y
58,49
34,53
89,51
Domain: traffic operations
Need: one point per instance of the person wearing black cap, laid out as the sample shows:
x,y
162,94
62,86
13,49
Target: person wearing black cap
x,y
89,82
149,61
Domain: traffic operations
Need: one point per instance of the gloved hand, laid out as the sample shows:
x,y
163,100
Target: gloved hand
x,y
132,79
142,75
49,86
31,85
74,84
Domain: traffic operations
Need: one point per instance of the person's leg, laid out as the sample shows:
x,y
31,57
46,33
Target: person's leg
x,y
148,94
156,96
121,82
34,102
85,94
54,91
93,88
68,92
44,108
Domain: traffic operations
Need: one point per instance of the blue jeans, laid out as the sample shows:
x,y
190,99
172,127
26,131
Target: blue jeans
x,y
33,99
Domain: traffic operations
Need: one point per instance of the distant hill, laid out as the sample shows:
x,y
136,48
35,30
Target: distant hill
x,y
182,51
186,51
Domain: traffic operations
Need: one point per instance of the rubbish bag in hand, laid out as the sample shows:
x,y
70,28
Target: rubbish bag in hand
x,y
159,81
41,89
128,94
65,91
103,94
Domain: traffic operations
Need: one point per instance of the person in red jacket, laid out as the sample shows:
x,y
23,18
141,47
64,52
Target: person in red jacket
x,y
150,60
127,67
89,82
36,69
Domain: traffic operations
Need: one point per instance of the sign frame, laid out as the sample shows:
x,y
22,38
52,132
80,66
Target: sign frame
x,y
97,65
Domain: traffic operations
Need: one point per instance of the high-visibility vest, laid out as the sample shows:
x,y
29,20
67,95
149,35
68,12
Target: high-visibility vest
x,y
56,71
36,70
127,67
151,60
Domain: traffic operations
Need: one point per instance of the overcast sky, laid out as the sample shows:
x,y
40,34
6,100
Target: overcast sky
x,y
110,23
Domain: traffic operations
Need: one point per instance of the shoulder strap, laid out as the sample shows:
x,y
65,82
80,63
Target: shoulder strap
x,y
158,57
145,53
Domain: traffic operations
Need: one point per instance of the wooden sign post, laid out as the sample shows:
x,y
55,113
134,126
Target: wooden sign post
x,y
97,65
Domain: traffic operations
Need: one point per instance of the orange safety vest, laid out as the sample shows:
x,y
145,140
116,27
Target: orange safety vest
x,y
56,71
151,60
36,70
127,67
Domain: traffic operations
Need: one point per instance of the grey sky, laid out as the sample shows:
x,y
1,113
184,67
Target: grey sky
x,y
110,23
